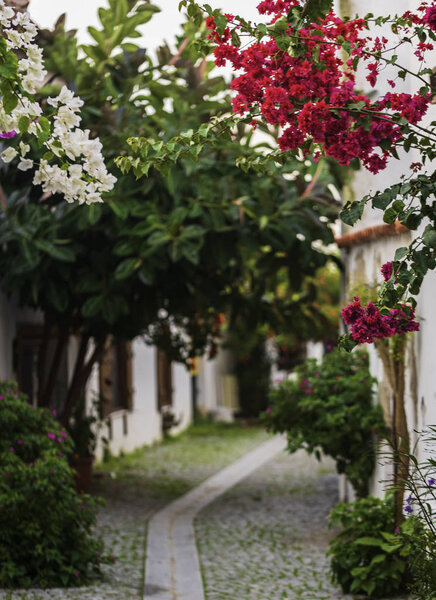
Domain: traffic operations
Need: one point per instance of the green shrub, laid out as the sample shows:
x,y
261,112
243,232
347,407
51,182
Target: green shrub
x,y
416,534
46,527
368,557
328,407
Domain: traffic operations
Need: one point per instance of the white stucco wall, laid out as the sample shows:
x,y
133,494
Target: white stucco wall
x,y
363,262
140,426
182,397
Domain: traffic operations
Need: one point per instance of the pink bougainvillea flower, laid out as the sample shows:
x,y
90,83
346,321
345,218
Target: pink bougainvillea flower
x,y
386,270
429,17
7,135
368,324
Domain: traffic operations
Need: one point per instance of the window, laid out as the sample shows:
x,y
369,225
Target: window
x,y
164,380
27,353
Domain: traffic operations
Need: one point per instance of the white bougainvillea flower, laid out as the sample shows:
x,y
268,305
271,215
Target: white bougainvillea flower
x,y
77,168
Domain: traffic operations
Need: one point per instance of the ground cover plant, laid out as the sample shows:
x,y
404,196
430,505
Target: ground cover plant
x,y
47,537
328,408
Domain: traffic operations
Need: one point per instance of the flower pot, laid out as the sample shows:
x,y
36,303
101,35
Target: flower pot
x,y
83,473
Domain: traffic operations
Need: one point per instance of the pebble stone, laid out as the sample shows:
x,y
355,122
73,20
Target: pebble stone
x,y
266,538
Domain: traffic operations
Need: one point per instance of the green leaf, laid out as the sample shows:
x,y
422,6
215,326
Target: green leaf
x,y
59,252
390,216
43,130
382,200
316,9
353,212
429,236
127,268
368,541
23,124
400,253
10,102
92,306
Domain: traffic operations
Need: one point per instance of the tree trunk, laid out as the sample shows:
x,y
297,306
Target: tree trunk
x,y
48,388
82,372
42,358
401,441
393,360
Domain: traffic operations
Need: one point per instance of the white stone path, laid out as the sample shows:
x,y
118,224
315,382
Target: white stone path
x,y
172,570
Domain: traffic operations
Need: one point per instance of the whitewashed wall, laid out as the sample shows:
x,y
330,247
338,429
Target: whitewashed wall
x,y
363,262
217,386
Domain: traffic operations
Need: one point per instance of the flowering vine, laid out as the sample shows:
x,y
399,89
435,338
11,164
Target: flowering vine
x,y
293,74
73,164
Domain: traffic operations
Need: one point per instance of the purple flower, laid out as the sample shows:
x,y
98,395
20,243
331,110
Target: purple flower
x,y
77,574
431,481
19,442
268,410
409,509
317,375
53,412
2,397
113,559
308,390
12,449
51,436
63,434
7,135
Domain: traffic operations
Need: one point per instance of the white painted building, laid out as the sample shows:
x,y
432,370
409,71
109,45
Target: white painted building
x,y
128,378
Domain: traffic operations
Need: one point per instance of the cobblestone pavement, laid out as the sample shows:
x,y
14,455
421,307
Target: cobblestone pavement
x,y
266,538
141,484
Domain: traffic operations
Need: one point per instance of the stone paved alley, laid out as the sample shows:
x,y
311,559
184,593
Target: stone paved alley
x,y
263,539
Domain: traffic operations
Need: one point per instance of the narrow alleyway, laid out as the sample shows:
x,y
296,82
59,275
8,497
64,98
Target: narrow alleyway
x,y
256,529
266,538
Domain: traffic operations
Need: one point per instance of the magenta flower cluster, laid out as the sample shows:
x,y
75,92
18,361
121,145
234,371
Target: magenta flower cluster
x,y
430,17
367,323
386,271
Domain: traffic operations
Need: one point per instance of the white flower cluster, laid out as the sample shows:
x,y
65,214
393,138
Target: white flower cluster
x,y
81,175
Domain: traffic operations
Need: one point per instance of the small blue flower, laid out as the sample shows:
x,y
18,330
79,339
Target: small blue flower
x,y
409,509
431,482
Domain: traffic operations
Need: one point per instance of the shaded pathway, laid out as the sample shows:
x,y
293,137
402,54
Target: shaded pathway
x,y
266,538
172,567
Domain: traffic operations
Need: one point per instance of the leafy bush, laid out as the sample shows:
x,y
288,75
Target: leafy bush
x,y
419,530
46,527
368,557
416,534
328,407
